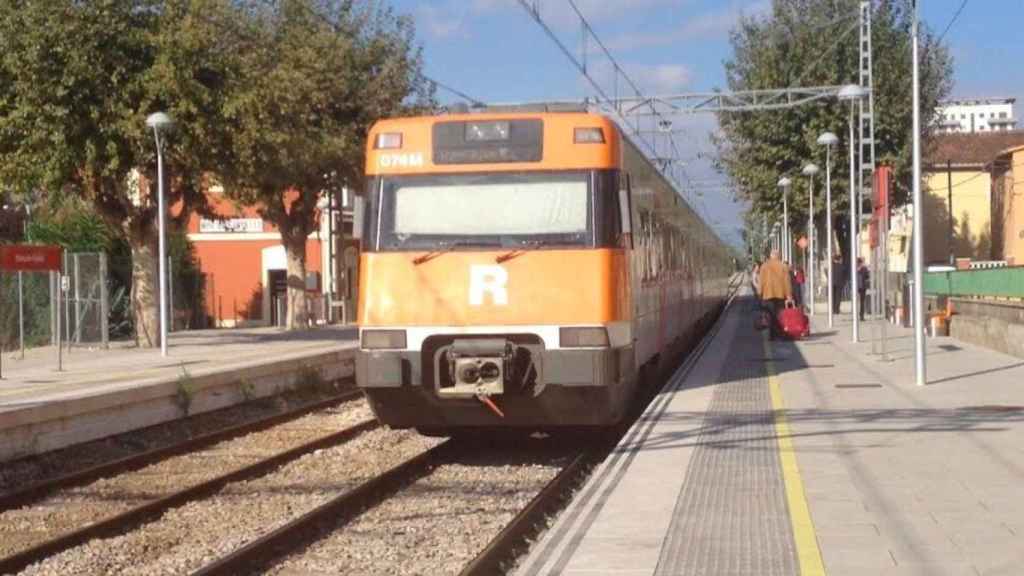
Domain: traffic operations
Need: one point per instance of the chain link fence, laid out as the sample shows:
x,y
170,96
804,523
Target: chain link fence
x,y
28,309
85,305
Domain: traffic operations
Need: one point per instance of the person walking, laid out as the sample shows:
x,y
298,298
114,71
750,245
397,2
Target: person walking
x,y
775,289
863,278
838,282
797,280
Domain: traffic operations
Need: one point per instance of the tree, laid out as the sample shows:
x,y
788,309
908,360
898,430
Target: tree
x,y
814,43
319,73
77,80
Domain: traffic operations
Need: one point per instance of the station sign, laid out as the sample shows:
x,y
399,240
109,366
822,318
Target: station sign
x,y
30,258
229,225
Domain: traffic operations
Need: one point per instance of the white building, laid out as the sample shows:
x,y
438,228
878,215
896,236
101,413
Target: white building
x,y
976,115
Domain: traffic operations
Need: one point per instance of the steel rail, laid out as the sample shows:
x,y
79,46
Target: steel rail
x,y
507,543
29,494
338,510
139,515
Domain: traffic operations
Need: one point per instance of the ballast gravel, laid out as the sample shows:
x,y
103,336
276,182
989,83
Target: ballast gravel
x,y
188,537
435,526
75,507
15,474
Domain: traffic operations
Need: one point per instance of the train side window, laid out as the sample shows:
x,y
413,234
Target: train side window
x,y
625,239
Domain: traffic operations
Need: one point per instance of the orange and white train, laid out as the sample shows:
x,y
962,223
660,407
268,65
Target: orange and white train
x,y
522,269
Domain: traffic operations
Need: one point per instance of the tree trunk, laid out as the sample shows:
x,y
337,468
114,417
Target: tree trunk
x,y
145,305
298,306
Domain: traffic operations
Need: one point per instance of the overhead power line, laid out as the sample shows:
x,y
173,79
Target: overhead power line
x,y
952,21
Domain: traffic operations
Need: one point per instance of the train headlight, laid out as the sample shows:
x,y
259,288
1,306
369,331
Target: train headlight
x,y
382,339
585,337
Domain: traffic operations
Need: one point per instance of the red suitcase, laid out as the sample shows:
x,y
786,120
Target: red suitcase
x,y
794,322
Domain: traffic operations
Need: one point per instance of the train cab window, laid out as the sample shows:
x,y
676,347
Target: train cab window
x,y
502,210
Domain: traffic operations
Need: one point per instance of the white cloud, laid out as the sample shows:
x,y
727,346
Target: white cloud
x,y
704,26
660,78
441,19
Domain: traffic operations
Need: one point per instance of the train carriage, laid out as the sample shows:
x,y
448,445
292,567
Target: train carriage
x,y
521,270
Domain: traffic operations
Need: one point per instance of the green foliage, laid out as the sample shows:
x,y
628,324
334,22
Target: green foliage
x,y
186,391
814,43
316,76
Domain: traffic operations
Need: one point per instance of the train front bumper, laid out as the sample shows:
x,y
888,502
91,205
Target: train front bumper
x,y
590,387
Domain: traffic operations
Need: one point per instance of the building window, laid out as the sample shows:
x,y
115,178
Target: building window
x,y
1002,114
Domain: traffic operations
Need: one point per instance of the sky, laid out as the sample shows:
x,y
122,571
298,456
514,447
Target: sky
x,y
493,51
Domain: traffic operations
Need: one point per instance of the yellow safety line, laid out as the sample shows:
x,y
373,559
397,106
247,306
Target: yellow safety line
x,y
804,536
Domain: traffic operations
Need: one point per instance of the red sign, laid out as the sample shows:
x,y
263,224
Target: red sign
x,y
30,258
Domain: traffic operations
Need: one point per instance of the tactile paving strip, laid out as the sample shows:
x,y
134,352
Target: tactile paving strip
x,y
731,517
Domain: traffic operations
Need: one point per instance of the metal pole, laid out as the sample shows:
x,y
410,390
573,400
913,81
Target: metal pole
x,y
162,244
104,302
170,292
331,268
21,313
67,303
787,252
810,247
60,346
854,295
78,301
949,193
919,343
828,226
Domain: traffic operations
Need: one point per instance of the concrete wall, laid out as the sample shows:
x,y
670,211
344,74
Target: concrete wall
x,y
972,214
1010,205
49,426
995,325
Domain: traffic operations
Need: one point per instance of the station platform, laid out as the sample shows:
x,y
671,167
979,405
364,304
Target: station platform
x,y
101,392
813,457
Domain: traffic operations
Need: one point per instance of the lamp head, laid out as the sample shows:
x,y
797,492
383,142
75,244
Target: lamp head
x,y
827,139
159,121
810,170
784,182
851,92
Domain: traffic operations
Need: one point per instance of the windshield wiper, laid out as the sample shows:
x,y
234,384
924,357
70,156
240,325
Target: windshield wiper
x,y
446,247
523,249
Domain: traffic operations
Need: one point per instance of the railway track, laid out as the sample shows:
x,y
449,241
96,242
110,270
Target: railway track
x,y
325,530
19,510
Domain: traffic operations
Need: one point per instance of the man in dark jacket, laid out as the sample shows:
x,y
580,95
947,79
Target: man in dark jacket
x,y
863,278
838,281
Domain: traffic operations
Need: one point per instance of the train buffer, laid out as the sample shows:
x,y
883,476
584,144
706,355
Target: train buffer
x,y
810,457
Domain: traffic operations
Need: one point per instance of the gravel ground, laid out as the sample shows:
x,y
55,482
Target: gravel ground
x,y
435,526
22,472
189,536
74,507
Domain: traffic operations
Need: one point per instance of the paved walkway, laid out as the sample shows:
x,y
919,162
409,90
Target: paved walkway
x,y
88,371
814,457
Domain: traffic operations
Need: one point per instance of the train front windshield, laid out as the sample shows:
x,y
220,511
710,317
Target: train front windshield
x,y
499,210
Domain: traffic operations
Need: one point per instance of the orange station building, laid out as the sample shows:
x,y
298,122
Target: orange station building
x,y
245,269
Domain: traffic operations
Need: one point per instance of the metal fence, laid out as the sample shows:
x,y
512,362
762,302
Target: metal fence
x,y
1006,282
28,304
26,309
84,299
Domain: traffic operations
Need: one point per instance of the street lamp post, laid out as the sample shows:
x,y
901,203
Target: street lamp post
x,y
159,121
787,251
827,140
918,303
852,93
810,170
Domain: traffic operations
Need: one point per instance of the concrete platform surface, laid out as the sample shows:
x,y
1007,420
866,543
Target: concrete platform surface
x,y
810,457
106,391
